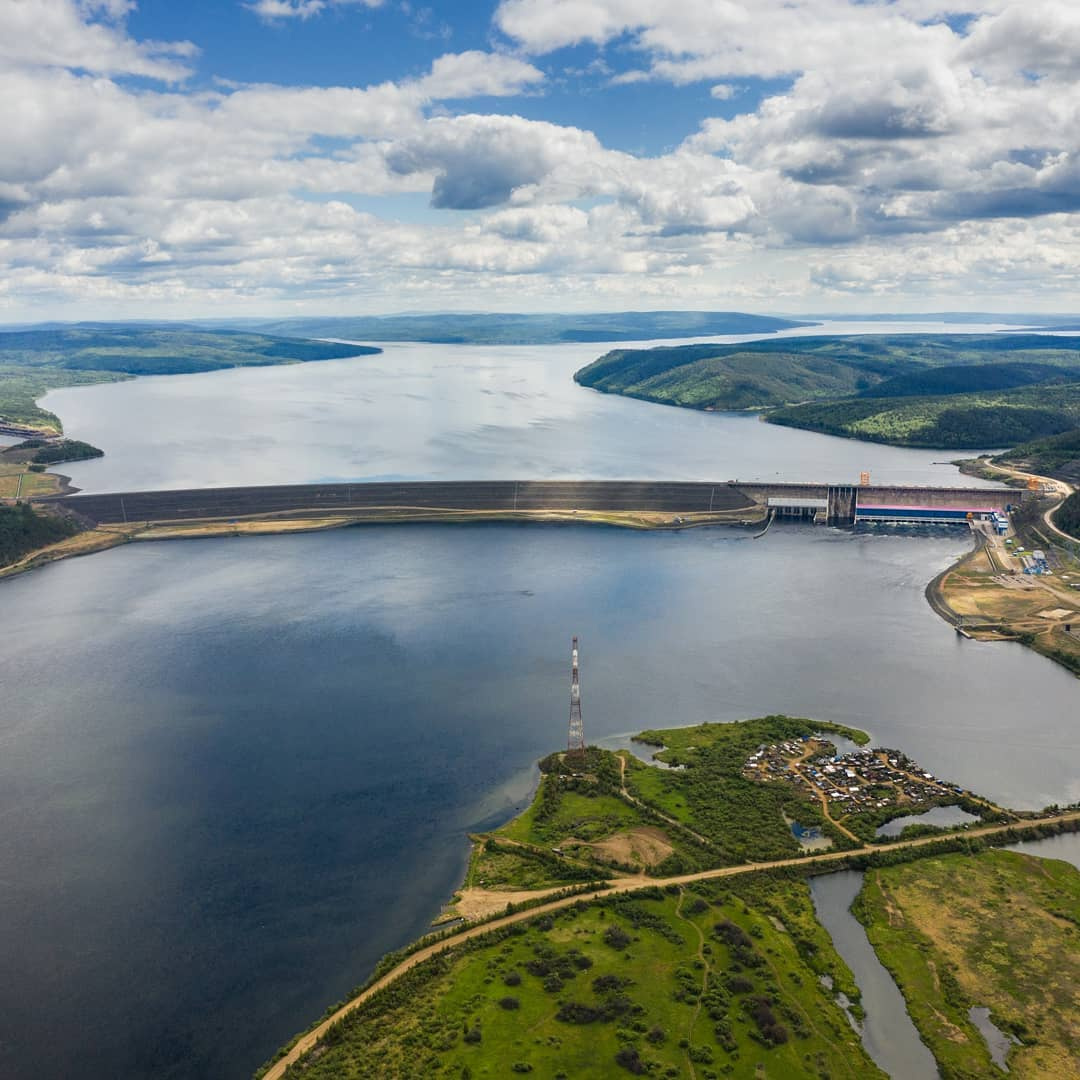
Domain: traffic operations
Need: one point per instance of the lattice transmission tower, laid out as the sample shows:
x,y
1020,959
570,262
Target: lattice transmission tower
x,y
575,743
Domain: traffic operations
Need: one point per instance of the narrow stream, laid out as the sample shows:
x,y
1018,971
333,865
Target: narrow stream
x,y
888,1034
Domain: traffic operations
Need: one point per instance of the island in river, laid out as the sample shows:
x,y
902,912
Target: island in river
x,y
659,922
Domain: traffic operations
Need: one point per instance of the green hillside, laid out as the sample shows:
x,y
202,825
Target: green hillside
x,y
947,391
1057,456
952,422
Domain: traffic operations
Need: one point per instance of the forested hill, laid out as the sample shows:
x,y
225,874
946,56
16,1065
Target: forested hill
x,y
159,350
948,391
1057,456
33,362
519,329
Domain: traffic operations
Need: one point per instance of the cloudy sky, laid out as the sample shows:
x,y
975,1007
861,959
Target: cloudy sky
x,y
279,157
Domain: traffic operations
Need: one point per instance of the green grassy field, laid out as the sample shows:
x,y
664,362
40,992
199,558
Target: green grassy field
x,y
579,827
707,982
999,930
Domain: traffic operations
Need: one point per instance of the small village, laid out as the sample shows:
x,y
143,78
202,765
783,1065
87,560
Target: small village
x,y
862,780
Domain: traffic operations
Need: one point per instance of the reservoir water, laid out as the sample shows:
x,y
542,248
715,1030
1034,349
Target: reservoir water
x,y
233,773
445,412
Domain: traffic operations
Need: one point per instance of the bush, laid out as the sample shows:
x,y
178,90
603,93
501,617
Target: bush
x,y
512,978
616,937
521,1067
509,1002
629,1059
574,1012
656,1036
473,1035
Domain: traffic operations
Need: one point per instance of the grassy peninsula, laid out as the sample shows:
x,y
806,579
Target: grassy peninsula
x,y
32,362
951,391
593,959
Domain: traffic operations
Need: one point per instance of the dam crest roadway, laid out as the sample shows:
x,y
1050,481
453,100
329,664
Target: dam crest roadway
x,y
835,503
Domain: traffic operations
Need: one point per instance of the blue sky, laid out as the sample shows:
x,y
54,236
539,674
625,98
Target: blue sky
x,y
334,156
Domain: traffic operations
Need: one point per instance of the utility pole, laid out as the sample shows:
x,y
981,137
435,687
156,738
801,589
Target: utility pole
x,y
575,743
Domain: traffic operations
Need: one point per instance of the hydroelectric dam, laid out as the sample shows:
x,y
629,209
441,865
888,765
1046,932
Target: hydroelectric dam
x,y
834,504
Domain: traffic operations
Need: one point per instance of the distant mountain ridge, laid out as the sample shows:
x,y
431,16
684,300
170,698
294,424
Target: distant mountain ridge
x,y
531,329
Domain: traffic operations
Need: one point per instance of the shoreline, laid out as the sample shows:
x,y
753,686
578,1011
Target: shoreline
x,y
103,537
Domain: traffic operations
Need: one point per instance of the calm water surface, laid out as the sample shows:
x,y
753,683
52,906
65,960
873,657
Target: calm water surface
x,y
235,772
888,1034
444,412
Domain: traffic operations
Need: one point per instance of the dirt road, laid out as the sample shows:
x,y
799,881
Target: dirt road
x,y
623,885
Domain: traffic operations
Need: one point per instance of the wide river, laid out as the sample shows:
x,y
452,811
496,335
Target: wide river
x,y
235,772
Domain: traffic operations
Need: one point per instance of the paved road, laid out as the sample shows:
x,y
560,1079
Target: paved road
x,y
623,885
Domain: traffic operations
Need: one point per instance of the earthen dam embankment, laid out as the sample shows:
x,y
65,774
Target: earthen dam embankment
x,y
495,495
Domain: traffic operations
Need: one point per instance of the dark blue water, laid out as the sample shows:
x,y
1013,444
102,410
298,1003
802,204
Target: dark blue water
x,y
234,772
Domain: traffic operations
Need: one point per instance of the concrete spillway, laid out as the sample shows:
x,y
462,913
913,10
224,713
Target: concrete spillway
x,y
504,495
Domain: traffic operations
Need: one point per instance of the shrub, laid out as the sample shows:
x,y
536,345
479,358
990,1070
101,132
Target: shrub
x,y
574,1012
629,1059
656,1036
616,937
472,1035
512,978
509,1002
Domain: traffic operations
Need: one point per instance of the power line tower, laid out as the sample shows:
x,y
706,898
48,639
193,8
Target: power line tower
x,y
575,743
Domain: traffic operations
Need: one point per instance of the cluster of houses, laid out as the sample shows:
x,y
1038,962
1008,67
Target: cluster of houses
x,y
853,782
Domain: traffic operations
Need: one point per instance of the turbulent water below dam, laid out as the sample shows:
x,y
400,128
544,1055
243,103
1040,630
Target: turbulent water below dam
x,y
234,772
